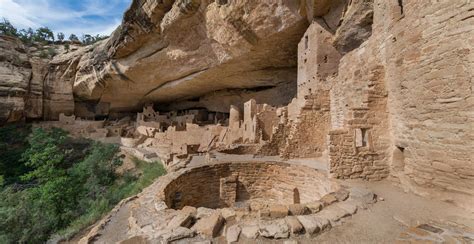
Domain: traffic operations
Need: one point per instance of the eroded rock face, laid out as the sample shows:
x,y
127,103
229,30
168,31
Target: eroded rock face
x,y
15,74
169,51
356,26
32,87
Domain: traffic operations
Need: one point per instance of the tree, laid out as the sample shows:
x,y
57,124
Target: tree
x,y
87,39
73,38
44,34
7,28
27,35
60,36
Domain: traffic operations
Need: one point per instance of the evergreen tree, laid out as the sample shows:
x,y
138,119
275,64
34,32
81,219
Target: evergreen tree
x,y
60,36
73,37
7,28
44,34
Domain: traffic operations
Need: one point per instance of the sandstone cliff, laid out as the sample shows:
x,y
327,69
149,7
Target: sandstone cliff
x,y
181,50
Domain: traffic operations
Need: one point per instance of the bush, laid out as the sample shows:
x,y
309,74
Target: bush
x,y
51,52
69,184
43,54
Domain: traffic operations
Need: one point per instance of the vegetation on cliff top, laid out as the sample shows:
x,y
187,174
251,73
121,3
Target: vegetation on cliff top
x,y
45,35
56,184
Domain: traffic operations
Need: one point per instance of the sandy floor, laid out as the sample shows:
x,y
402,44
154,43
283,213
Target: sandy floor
x,y
385,220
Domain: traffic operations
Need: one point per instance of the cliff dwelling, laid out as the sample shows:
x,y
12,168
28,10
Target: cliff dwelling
x,y
276,121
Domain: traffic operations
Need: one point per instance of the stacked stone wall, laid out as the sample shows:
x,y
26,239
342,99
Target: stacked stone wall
x,y
273,182
429,56
414,78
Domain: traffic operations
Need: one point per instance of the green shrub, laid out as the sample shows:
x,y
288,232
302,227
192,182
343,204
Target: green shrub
x,y
51,52
43,54
69,184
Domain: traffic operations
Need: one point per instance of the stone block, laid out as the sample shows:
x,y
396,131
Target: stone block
x,y
182,218
294,225
250,231
341,195
209,226
328,199
233,234
278,211
298,209
348,206
203,212
314,207
274,229
177,234
333,214
313,224
191,210
227,213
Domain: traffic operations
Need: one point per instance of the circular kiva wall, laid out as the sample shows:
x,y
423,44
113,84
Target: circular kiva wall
x,y
222,185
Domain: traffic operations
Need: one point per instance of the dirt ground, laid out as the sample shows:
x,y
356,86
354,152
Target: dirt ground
x,y
387,219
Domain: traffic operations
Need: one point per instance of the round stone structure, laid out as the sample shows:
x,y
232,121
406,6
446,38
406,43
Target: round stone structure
x,y
228,184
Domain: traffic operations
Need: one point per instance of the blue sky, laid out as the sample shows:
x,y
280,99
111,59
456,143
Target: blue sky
x,y
67,16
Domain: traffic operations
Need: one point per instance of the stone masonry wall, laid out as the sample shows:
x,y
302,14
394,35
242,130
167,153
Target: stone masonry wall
x,y
211,185
429,56
307,135
414,78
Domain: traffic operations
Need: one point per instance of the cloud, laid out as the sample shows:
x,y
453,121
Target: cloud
x,y
67,16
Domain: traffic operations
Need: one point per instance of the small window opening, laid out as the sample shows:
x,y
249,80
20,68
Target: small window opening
x,y
361,137
306,42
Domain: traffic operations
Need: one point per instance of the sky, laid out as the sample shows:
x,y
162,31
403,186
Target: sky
x,y
67,16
